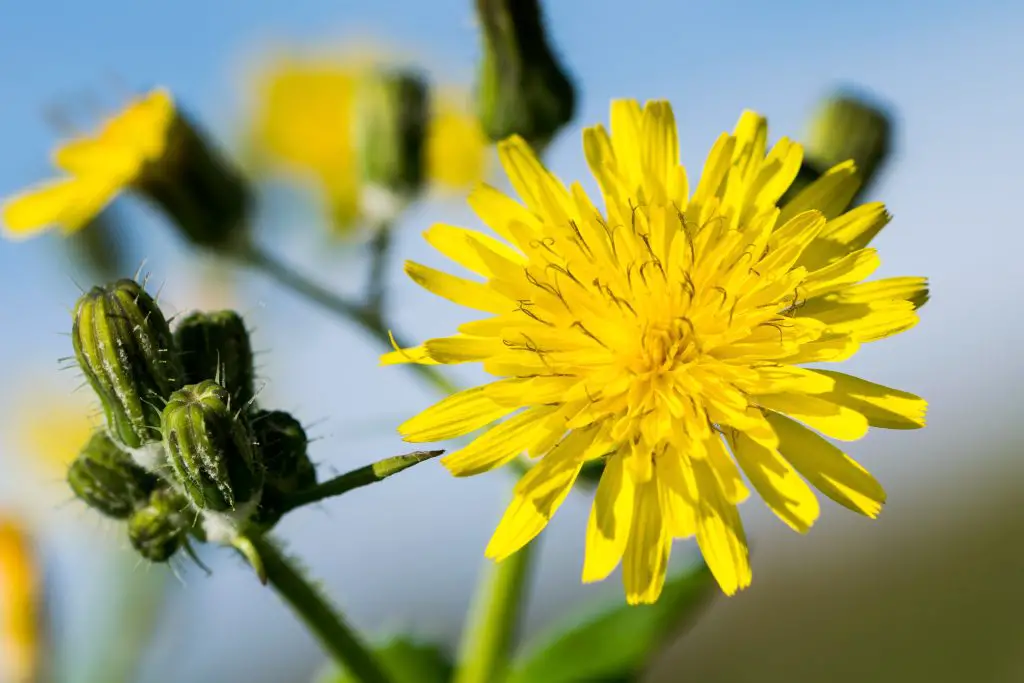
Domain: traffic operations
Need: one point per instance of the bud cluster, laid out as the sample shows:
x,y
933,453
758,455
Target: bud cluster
x,y
185,451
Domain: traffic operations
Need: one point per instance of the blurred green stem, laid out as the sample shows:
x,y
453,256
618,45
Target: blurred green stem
x,y
334,634
380,250
365,316
488,635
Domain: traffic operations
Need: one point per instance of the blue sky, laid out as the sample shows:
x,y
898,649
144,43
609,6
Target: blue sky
x,y
952,72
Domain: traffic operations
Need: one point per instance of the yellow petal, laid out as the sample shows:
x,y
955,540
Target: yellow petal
x,y
538,495
68,203
828,418
611,517
827,468
458,414
413,354
715,169
475,295
720,533
462,349
830,194
678,495
725,470
845,271
499,211
626,120
542,192
777,483
645,561
882,406
463,246
500,444
776,174
660,151
789,378
851,231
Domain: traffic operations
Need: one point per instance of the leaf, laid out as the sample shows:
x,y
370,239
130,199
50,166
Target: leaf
x,y
405,661
615,645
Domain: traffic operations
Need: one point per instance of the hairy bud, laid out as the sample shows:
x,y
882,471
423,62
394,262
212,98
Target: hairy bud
x,y
106,478
158,529
216,346
124,346
282,443
210,448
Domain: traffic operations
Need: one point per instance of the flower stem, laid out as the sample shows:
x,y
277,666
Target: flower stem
x,y
488,636
382,469
334,634
365,316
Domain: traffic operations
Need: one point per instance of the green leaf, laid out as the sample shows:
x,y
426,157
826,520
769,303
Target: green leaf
x,y
405,661
616,644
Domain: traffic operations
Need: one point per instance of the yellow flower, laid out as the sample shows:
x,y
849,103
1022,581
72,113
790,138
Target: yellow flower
x,y
19,603
52,431
456,145
99,167
666,336
305,123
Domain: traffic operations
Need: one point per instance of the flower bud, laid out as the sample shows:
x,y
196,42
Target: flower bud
x,y
125,348
106,478
216,346
205,196
282,442
522,89
845,127
391,134
210,448
158,529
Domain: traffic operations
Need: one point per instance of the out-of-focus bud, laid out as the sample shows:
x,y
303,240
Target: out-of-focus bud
x,y
216,346
210,448
124,346
158,529
100,247
106,478
205,196
522,89
391,135
282,442
845,127
283,446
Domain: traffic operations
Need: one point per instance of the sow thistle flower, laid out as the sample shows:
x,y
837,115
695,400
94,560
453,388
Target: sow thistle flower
x,y
666,336
149,147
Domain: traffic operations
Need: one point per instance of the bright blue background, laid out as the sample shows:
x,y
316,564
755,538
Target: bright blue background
x,y
403,555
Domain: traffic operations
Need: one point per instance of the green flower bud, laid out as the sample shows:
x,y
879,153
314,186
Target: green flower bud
x,y
125,348
391,134
210,448
522,88
159,529
106,478
205,196
845,127
216,346
282,443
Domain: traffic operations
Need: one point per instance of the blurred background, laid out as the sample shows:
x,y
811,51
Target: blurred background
x,y
930,591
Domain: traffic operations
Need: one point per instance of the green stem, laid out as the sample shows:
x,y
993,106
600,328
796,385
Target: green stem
x,y
489,635
382,469
380,249
364,316
334,634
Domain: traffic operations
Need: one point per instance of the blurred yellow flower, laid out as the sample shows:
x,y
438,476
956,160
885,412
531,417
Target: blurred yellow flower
x,y
99,167
457,149
666,336
304,123
51,431
20,601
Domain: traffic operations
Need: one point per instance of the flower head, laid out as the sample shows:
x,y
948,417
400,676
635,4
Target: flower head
x,y
666,335
149,147
307,125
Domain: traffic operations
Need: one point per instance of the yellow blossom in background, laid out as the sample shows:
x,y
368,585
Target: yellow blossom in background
x,y
52,430
457,149
20,600
304,123
98,168
666,335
